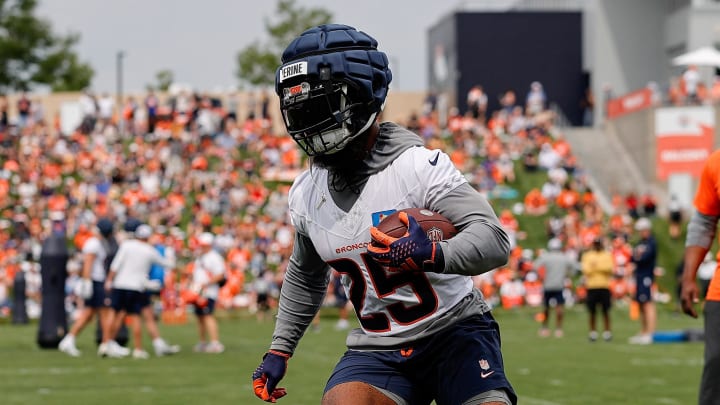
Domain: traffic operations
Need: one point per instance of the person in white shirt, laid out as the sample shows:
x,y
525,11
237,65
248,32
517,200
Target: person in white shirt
x,y
106,107
691,79
208,272
90,288
128,279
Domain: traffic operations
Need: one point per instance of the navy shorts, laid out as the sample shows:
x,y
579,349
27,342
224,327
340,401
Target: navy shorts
x,y
129,301
643,289
449,367
98,299
208,309
554,297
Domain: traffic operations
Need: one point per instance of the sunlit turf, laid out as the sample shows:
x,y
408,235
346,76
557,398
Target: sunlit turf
x,y
544,371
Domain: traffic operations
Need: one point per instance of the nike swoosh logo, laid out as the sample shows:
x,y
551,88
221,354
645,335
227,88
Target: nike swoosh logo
x,y
486,375
434,161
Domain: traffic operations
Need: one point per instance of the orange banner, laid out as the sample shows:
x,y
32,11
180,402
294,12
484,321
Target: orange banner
x,y
631,102
684,140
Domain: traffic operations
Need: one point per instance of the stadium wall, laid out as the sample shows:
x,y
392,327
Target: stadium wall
x,y
507,51
399,106
636,134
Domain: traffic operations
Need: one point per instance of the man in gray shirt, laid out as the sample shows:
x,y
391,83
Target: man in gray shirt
x,y
558,266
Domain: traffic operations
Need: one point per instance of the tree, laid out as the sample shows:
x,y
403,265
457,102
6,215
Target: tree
x,y
31,54
164,79
257,62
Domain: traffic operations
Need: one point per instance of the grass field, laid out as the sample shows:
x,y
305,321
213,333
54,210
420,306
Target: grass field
x,y
546,371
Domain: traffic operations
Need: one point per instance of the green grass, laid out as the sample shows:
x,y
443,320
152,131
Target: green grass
x,y
544,371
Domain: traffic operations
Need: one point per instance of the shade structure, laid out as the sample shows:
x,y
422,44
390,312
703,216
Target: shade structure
x,y
705,56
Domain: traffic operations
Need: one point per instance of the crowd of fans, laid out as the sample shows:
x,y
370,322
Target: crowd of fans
x,y
188,164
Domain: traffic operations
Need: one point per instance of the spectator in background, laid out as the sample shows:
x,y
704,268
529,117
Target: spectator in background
x,y
508,102
597,267
106,108
674,217
536,99
632,204
644,257
3,112
208,271
690,82
477,102
88,107
649,205
23,107
37,111
555,267
715,91
587,105
151,106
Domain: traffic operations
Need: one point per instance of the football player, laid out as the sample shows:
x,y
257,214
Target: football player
x,y
426,334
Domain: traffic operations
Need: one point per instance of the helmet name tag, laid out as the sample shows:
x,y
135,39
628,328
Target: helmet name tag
x,y
296,69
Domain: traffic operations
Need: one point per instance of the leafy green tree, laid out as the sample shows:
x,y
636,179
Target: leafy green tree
x,y
258,61
31,54
164,79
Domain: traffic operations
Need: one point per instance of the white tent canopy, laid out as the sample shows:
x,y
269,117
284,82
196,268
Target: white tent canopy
x,y
705,56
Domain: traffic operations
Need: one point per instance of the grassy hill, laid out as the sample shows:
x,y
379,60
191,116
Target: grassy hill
x,y
670,251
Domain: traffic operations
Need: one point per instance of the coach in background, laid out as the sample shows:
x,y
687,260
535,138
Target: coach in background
x,y
700,234
208,273
128,280
597,267
644,257
90,288
558,266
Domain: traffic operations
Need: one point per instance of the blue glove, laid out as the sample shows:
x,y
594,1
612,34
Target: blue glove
x,y
268,375
414,251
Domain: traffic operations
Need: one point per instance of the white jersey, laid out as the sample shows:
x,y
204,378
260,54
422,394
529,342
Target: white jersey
x,y
209,265
95,247
387,304
132,264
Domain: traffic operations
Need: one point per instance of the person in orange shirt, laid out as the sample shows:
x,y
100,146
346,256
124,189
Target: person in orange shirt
x,y
700,234
568,198
535,203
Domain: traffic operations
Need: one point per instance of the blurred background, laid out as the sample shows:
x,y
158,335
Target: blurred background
x,y
576,118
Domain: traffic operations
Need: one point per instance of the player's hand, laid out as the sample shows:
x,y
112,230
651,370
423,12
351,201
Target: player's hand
x,y
689,297
84,288
414,251
268,375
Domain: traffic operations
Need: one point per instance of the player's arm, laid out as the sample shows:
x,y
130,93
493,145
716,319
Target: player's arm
x,y
167,262
481,244
301,296
115,265
700,234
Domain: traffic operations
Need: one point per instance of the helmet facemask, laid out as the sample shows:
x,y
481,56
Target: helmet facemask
x,y
324,117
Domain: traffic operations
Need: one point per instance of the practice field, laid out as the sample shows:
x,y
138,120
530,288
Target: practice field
x,y
544,371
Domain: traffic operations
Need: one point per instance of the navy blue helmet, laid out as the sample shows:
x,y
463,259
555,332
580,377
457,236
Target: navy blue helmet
x,y
332,84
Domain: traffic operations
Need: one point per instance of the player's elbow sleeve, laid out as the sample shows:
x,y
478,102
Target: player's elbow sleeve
x,y
701,230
